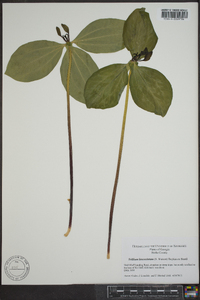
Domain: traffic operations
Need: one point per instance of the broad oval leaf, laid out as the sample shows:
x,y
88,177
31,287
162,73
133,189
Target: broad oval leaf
x,y
138,32
82,68
150,89
104,88
101,36
34,60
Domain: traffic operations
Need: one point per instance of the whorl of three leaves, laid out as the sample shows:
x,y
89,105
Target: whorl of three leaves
x,y
149,88
35,60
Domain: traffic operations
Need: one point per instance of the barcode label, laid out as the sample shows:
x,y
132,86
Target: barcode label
x,y
173,14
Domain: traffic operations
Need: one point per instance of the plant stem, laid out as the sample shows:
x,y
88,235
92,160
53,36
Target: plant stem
x,y
70,144
118,168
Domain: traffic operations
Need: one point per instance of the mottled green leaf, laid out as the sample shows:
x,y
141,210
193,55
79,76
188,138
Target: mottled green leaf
x,y
104,88
101,36
150,89
34,60
82,68
138,32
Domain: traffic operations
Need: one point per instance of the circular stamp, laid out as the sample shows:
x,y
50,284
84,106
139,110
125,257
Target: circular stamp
x,y
17,268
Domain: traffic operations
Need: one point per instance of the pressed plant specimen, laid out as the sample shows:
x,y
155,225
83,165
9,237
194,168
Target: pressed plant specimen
x,y
102,88
149,88
35,60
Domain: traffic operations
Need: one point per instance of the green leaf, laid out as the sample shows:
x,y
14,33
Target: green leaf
x,y
34,60
101,36
82,68
104,88
150,89
139,33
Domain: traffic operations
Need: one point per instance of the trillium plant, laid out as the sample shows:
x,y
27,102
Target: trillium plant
x,y
99,88
149,88
35,60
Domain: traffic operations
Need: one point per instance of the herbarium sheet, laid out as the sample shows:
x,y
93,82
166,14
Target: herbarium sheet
x,y
100,103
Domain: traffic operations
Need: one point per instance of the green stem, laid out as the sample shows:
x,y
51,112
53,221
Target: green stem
x,y
70,144
118,167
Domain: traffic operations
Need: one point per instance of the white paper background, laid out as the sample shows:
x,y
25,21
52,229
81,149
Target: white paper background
x,y
157,193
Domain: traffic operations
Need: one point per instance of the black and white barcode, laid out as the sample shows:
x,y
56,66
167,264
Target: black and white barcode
x,y
175,15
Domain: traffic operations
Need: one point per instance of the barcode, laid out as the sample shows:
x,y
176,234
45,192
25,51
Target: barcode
x,y
174,14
